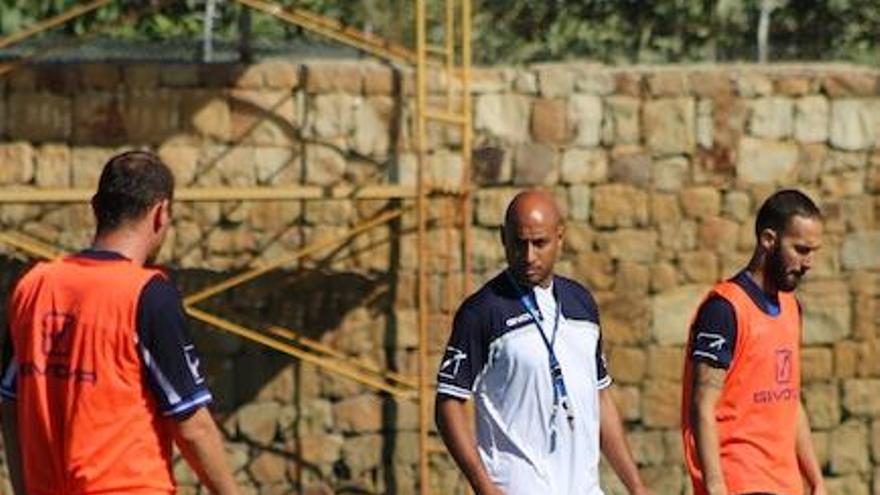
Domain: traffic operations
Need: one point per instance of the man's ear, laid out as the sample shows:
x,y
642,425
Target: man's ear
x,y
159,214
502,236
768,239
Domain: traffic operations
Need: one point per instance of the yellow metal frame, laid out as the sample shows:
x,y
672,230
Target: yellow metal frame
x,y
336,30
54,21
62,18
249,275
455,65
274,193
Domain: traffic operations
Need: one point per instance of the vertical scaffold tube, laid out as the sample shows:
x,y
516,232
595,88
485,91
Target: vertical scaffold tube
x,y
466,147
421,200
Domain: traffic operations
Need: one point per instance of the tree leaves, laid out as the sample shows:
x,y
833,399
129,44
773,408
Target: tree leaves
x,y
518,31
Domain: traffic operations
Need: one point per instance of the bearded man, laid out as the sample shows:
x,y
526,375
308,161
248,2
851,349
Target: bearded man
x,y
744,428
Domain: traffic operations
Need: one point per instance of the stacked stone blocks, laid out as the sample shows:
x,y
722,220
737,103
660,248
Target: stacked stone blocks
x,y
659,171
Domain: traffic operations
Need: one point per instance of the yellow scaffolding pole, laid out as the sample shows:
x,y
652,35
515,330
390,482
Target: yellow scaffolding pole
x,y
73,13
52,22
335,30
467,142
421,209
316,346
29,245
294,344
308,350
305,251
274,193
336,366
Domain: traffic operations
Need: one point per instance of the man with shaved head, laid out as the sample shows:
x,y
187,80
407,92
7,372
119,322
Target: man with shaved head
x,y
528,349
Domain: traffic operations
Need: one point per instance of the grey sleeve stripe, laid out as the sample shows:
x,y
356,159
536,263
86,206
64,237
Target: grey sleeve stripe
x,y
705,354
168,389
452,390
193,403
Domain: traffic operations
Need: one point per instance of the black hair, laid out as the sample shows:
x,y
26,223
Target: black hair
x,y
780,207
130,184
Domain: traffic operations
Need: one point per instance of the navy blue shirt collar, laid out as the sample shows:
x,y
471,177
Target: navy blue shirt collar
x,y
100,254
766,302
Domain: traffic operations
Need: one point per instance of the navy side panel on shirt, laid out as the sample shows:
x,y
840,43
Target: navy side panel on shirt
x,y
495,306
465,354
9,377
714,328
714,333
170,358
490,313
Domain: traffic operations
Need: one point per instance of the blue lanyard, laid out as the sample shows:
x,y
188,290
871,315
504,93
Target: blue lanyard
x,y
560,394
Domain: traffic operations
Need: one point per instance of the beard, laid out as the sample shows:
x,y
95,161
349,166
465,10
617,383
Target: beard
x,y
526,277
783,279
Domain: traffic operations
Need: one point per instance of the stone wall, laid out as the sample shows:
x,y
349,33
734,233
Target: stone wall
x,y
659,171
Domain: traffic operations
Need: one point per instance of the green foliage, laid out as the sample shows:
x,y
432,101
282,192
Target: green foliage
x,y
516,31
676,30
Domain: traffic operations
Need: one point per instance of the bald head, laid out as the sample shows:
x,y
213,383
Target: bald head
x,y
532,237
532,206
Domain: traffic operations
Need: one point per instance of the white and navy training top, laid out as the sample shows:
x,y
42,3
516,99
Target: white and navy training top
x,y
496,355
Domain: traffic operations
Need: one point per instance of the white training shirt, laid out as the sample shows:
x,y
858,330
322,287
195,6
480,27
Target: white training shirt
x,y
496,355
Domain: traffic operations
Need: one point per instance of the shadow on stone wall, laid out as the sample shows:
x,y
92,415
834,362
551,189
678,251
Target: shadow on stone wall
x,y
291,412
289,424
275,410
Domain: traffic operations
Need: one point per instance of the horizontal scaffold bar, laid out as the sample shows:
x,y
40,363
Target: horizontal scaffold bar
x,y
52,22
318,347
249,275
336,30
266,193
332,365
310,351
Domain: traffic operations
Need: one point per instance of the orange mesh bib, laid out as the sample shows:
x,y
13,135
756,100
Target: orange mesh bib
x,y
757,413
87,421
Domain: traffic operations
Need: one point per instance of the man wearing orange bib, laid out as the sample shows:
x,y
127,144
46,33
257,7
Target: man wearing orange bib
x,y
99,374
744,428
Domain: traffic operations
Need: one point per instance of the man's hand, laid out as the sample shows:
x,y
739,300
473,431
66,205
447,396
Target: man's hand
x,y
641,490
807,461
716,488
494,490
452,424
819,490
613,443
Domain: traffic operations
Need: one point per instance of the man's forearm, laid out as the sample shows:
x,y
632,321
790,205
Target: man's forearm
x,y
708,451
809,464
452,423
199,441
614,445
11,446
707,385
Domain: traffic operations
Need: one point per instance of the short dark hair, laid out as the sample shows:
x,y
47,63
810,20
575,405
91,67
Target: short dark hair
x,y
130,184
780,207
